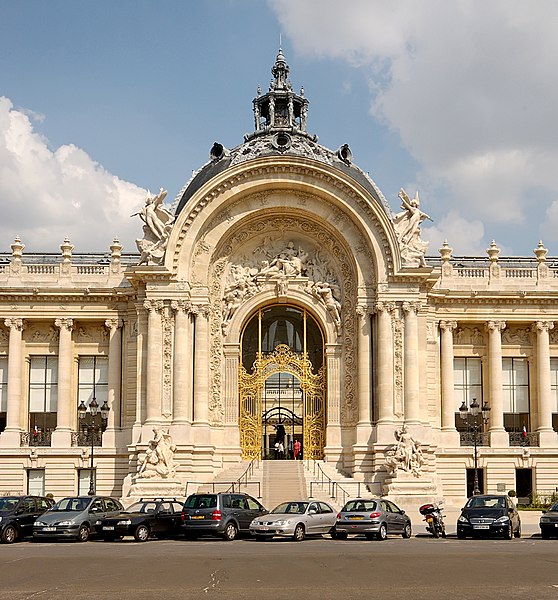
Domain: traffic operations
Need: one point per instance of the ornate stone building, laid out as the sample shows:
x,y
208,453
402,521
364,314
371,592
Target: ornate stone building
x,y
279,288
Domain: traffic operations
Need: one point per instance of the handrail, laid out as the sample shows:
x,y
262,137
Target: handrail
x,y
231,484
334,487
248,472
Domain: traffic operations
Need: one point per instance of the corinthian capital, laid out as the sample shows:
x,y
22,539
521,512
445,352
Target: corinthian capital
x,y
363,310
181,306
448,325
111,324
496,326
408,307
67,324
15,323
153,305
541,326
203,310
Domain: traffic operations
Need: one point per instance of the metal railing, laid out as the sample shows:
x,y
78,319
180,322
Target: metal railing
x,y
243,479
518,438
335,489
467,438
83,438
35,438
231,486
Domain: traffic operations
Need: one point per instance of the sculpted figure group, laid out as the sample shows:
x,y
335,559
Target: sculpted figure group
x,y
407,227
156,229
406,454
158,460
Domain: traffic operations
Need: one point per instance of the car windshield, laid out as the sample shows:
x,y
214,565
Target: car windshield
x,y
360,506
554,507
201,501
71,505
8,504
288,508
142,507
486,502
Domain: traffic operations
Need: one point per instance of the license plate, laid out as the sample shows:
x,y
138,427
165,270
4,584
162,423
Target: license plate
x,y
197,517
108,528
49,528
355,518
264,528
481,526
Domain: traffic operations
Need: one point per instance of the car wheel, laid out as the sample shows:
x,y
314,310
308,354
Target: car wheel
x,y
141,534
407,531
299,533
517,532
230,532
508,534
382,532
460,535
9,535
83,533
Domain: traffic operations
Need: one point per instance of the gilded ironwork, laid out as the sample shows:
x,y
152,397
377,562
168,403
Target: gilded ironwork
x,y
251,387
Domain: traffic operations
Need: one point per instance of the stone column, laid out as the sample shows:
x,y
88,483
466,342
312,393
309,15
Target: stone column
x,y
333,360
201,365
547,436
498,435
114,372
10,437
182,365
154,361
450,436
141,373
364,386
67,408
384,361
411,363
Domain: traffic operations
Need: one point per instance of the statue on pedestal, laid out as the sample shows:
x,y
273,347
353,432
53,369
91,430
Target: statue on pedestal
x,y
157,225
158,460
406,455
407,227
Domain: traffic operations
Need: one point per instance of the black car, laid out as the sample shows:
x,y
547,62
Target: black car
x,y
17,515
157,516
222,514
549,522
489,515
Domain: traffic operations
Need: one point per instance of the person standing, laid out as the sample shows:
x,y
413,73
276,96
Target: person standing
x,y
296,449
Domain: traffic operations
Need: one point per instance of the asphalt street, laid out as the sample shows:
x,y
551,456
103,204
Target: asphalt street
x,y
421,567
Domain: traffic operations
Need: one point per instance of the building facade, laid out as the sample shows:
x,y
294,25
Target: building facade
x,y
279,288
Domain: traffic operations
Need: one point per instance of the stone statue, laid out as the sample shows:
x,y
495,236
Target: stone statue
x,y
407,227
157,225
241,286
158,460
289,261
406,455
323,291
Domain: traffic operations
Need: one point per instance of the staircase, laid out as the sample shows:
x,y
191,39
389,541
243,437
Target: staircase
x,y
283,480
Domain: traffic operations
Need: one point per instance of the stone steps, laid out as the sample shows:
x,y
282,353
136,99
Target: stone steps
x,y
283,480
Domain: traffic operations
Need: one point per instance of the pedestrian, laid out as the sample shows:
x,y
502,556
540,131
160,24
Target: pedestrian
x,y
296,449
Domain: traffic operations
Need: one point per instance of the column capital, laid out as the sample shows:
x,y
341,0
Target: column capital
x,y
540,326
495,326
66,323
203,310
384,307
364,310
15,323
113,324
181,306
448,325
153,305
408,307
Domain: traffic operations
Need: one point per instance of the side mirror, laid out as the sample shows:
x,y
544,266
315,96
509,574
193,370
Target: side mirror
x,y
401,512
543,511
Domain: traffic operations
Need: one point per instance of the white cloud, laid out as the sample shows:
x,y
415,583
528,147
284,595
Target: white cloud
x,y
47,195
467,85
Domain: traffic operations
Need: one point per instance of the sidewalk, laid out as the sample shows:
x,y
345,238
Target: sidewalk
x,y
529,522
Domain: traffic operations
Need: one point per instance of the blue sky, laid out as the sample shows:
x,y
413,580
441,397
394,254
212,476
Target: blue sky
x,y
104,100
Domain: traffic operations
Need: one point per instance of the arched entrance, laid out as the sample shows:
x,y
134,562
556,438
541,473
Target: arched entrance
x,y
282,380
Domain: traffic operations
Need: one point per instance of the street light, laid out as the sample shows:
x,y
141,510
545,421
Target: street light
x,y
90,424
475,410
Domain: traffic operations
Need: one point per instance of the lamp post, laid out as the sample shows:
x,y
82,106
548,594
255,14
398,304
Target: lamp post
x,y
474,410
90,424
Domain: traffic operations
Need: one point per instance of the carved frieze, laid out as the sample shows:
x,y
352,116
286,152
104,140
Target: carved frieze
x,y
43,333
517,336
464,336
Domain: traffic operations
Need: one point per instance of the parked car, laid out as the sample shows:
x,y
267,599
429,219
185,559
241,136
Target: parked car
x,y
221,514
296,519
158,516
549,522
75,517
489,515
17,515
373,517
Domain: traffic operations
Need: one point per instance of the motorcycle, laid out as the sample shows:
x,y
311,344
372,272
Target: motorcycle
x,y
434,520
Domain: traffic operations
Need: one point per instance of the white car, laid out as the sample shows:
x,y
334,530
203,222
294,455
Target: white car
x,y
296,519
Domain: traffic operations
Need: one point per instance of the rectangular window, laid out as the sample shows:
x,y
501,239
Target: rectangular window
x,y
515,392
84,481
554,391
43,393
92,379
467,386
3,391
36,482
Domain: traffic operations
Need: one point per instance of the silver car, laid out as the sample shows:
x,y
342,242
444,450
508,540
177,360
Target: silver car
x,y
296,519
374,517
75,517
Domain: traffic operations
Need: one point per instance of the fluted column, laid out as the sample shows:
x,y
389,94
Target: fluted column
x,y
201,365
446,364
411,363
384,362
66,407
364,384
10,436
547,436
182,365
114,371
154,360
498,435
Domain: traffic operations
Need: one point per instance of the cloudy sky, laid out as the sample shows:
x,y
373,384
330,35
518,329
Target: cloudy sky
x,y
101,101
